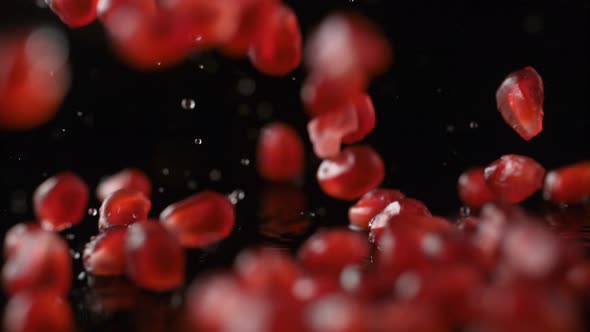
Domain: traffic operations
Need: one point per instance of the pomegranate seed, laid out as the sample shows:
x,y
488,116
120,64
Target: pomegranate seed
x,y
406,317
321,93
34,76
514,178
276,50
104,255
365,111
61,201
312,287
280,154
570,184
473,189
74,13
155,260
42,261
105,8
130,178
354,172
14,235
327,130
468,225
123,207
520,101
330,251
370,205
200,220
38,311
266,270
403,207
398,250
335,313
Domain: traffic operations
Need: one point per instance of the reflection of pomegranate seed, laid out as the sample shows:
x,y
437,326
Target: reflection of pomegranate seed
x,y
280,154
514,178
38,311
130,178
14,235
74,13
123,207
104,255
520,101
61,201
473,189
200,220
370,205
354,172
570,184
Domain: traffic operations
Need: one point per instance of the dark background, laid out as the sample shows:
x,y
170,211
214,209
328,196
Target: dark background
x,y
436,111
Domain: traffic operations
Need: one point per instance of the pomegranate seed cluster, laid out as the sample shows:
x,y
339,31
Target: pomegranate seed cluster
x,y
394,267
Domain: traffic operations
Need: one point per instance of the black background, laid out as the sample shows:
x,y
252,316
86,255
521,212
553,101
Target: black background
x,y
436,110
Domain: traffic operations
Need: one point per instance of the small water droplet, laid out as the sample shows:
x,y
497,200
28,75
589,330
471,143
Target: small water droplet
x,y
236,196
201,66
70,237
215,175
93,212
79,113
464,211
76,255
246,86
160,189
198,141
159,63
192,185
63,130
473,125
199,39
245,161
450,128
82,275
188,104
165,171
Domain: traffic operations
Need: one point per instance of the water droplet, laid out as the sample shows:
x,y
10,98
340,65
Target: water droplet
x,y
188,104
160,189
63,130
246,86
76,255
82,275
464,211
79,113
450,128
199,39
192,184
159,63
215,175
236,196
70,237
93,212
473,125
165,171
201,66
245,161
198,141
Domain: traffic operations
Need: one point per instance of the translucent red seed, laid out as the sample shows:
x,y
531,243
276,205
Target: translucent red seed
x,y
105,254
327,130
280,154
373,202
266,270
520,101
34,77
354,172
569,184
74,13
514,178
129,178
406,316
42,261
123,207
38,311
473,189
200,220
335,313
406,207
61,201
14,235
155,259
321,93
365,111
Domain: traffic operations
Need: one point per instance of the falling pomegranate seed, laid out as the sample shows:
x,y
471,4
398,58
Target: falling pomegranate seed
x,y
123,207
61,201
266,270
520,101
105,8
74,13
200,220
354,172
105,255
42,261
38,311
327,130
370,205
129,178
321,93
280,154
406,316
330,251
155,260
514,178
473,189
14,235
35,77
404,207
309,288
365,111
569,185
335,313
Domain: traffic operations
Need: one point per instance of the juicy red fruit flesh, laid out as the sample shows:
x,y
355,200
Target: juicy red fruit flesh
x,y
74,13
123,207
61,201
473,189
514,178
104,255
280,153
569,185
38,311
373,202
520,101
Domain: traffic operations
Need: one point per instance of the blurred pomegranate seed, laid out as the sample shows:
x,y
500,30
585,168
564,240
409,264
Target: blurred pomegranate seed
x,y
34,77
107,7
370,204
200,220
335,313
105,255
473,189
404,316
514,178
266,270
74,13
321,93
327,130
123,207
330,251
280,153
155,260
520,101
365,111
38,311
568,185
14,235
354,172
129,178
42,261
61,201
315,286
404,207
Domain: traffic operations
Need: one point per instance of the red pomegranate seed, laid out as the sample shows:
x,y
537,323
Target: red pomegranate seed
x,y
200,220
105,8
473,189
514,178
155,260
406,317
327,130
280,154
330,251
335,313
520,101
276,50
266,270
14,235
123,207
42,261
38,311
34,77
321,93
105,255
370,205
398,250
405,207
129,178
74,13
569,185
365,111
61,201
354,172
312,287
